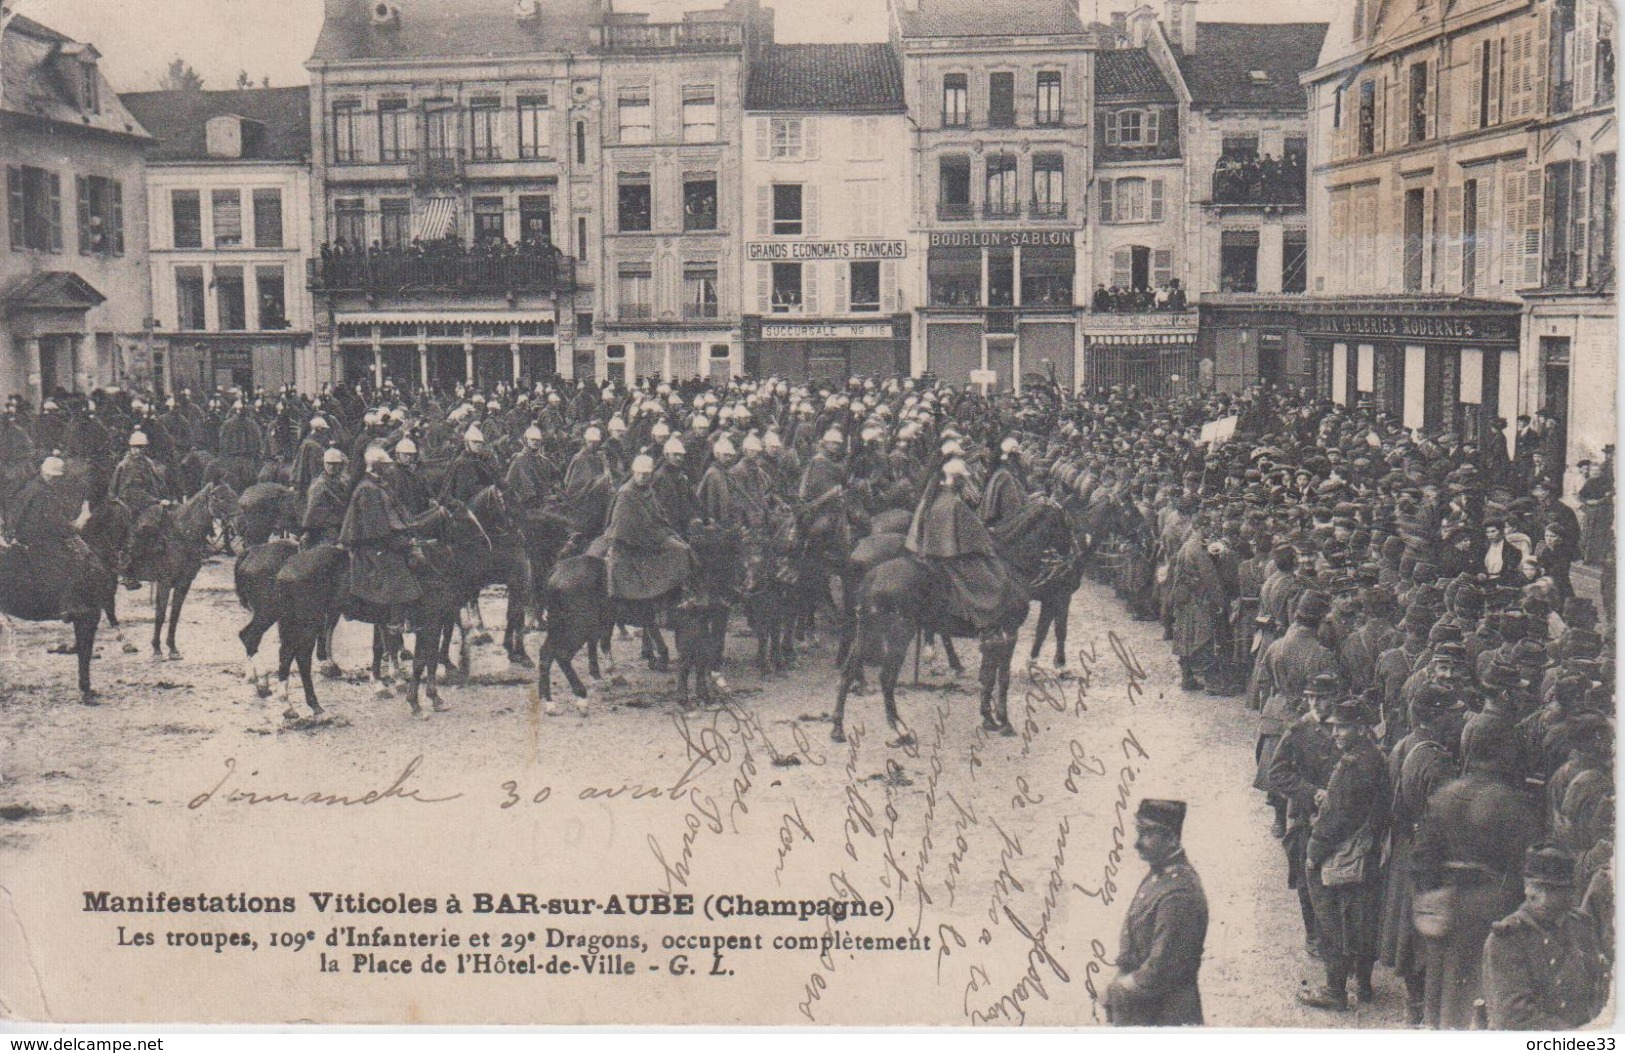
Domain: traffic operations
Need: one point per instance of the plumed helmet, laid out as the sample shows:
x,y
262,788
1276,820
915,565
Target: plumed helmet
x,y
956,467
405,446
370,417
493,404
138,438
724,448
592,435
872,434
1010,445
752,444
660,430
473,434
533,434
53,467
616,425
318,424
771,441
378,455
642,463
951,448
834,435
674,445
333,455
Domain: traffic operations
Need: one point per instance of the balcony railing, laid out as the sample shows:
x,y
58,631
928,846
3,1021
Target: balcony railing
x,y
954,212
698,311
399,272
1001,210
672,36
636,312
1254,182
439,165
1049,210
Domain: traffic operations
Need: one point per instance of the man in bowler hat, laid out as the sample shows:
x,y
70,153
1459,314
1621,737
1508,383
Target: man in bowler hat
x,y
1160,952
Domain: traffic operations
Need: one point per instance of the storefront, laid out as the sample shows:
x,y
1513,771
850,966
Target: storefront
x,y
1572,373
1434,363
1254,339
1158,360
203,362
673,354
477,351
812,349
1004,301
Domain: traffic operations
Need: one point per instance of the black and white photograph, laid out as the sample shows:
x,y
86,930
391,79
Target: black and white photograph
x,y
809,513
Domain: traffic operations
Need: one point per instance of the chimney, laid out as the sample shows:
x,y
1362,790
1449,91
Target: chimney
x,y
1140,21
1180,22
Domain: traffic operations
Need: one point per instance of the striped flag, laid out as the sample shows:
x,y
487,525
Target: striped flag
x,y
436,220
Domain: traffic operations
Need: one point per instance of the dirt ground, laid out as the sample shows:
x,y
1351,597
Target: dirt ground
x,y
1012,856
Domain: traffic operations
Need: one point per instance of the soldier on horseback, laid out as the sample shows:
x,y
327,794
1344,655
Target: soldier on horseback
x,y
325,502
947,534
406,478
1006,494
751,484
715,493
307,463
378,534
822,498
532,477
471,471
673,490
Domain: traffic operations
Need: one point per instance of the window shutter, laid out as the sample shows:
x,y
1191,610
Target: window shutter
x,y
1112,138
15,206
1497,65
809,210
1400,243
1455,246
82,188
1156,200
764,211
55,214
764,288
841,271
1470,112
1105,200
1162,266
1585,58
1511,227
1340,236
1518,69
888,286
1122,267
809,138
1379,116
1153,120
1431,102
116,217
809,288
1535,186
1539,38
1578,215
764,138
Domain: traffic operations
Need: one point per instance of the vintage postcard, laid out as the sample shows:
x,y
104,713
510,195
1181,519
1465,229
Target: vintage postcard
x,y
802,513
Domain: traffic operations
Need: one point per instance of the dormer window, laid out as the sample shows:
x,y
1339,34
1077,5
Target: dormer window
x,y
89,87
1259,76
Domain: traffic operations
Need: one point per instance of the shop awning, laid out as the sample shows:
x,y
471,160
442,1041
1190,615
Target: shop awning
x,y
429,317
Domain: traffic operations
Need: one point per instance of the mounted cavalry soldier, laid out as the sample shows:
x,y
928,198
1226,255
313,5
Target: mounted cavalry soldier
x,y
137,481
673,491
1006,494
406,479
947,535
242,444
715,492
532,477
307,463
378,533
471,471
821,504
1160,951
326,500
644,555
751,484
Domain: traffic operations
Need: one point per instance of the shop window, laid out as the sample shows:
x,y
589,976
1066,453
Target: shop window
x,y
1001,278
535,219
1049,98
1238,261
634,111
700,114
485,122
395,222
229,302
227,206
787,208
489,227
186,216
955,100
955,277
1001,100
535,131
1046,277
189,298
273,297
787,297
865,286
636,293
1294,261
635,205
954,196
700,202
700,292
101,216
615,363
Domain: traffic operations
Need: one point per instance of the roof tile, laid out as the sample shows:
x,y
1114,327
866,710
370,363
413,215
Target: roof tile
x,y
989,18
1220,72
1129,74
846,78
178,120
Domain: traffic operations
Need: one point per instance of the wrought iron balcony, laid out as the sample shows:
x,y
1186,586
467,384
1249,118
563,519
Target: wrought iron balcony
x,y
1049,210
1001,210
672,36
397,273
954,212
439,166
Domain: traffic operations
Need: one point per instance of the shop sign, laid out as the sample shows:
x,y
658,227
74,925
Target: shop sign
x,y
1001,239
780,331
766,251
1415,326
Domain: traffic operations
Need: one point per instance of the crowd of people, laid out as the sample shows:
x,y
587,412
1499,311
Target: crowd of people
x,y
1247,179
1434,696
1169,296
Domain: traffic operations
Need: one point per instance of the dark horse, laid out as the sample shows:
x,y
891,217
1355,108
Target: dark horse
x,y
167,547
521,553
581,613
310,591
75,585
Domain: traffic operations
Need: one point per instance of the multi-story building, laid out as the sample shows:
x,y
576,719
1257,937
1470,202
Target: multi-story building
x,y
75,300
999,94
228,203
1571,334
828,279
1432,129
671,183
455,171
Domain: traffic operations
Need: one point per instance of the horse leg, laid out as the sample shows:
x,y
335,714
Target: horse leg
x,y
1063,615
987,678
514,636
602,644
288,648
433,673
1046,616
178,599
578,690
323,644
484,635
717,645
953,656
306,664
84,642
661,660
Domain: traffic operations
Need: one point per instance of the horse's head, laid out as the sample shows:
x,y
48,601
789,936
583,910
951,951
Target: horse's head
x,y
490,509
220,500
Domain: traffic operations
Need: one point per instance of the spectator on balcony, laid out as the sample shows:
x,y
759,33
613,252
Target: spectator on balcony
x,y
1102,299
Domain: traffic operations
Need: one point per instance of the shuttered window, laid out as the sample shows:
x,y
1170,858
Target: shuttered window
x,y
227,208
268,218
